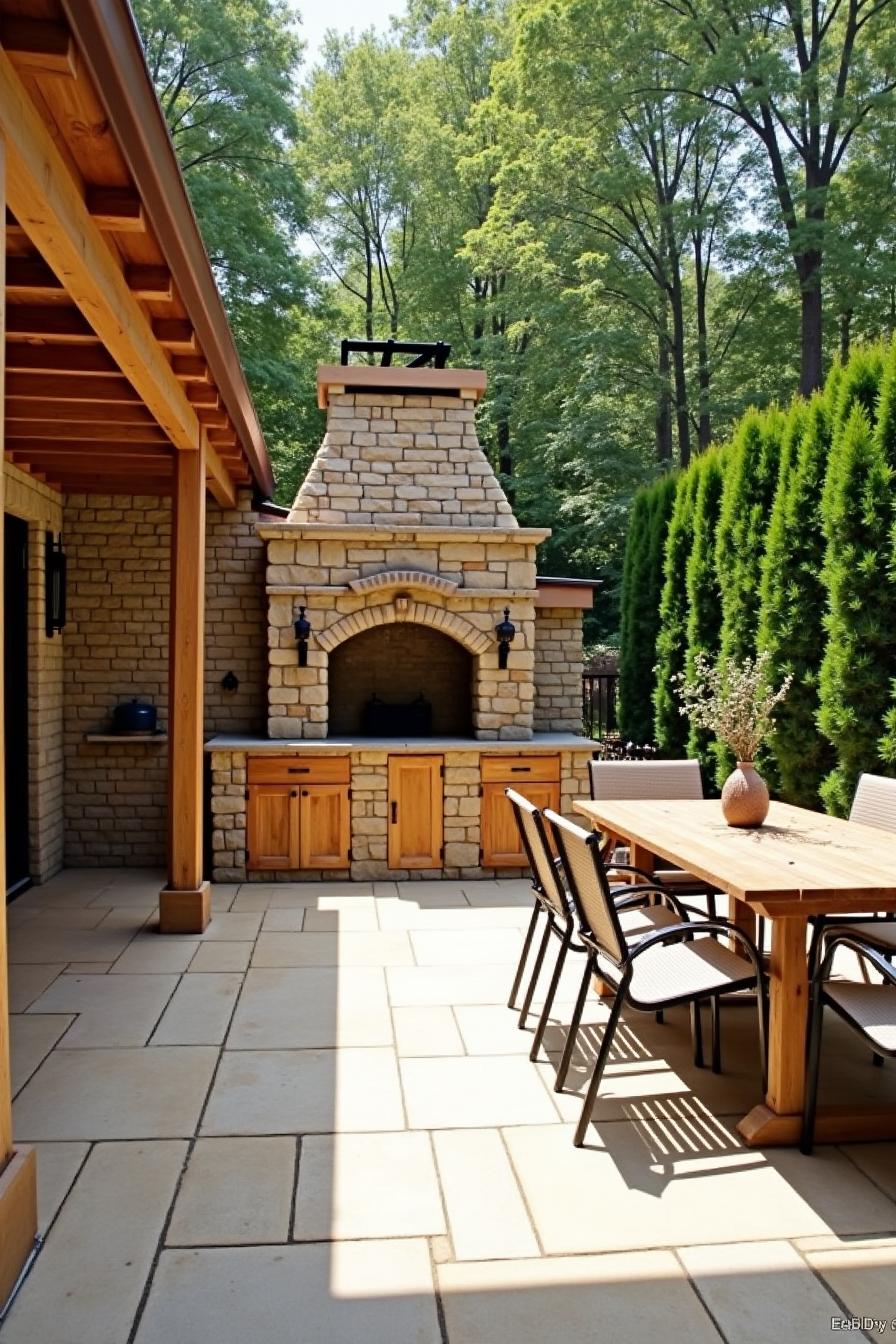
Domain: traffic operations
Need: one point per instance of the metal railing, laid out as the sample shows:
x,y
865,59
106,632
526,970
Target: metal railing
x,y
599,703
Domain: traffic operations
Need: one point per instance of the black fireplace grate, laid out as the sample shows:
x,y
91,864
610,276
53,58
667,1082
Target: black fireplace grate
x,y
413,719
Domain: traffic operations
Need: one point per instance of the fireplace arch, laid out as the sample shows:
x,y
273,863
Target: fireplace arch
x,y
402,679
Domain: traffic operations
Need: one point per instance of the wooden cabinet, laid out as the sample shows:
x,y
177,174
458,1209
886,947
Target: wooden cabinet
x,y
272,827
536,778
415,812
298,813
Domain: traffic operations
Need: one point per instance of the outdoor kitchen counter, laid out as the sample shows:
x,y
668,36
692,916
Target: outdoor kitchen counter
x,y
291,746
382,807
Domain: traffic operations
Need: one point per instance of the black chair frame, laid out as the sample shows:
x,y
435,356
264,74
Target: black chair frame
x,y
683,932
821,1000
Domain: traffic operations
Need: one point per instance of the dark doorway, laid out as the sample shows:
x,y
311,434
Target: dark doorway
x,y
15,667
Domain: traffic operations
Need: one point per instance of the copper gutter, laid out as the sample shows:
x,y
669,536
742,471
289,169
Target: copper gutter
x,y
110,47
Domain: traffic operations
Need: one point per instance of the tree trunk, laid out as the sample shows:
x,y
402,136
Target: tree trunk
x,y
845,334
682,423
704,423
664,400
809,271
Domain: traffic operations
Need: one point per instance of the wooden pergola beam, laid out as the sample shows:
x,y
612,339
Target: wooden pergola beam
x,y
175,334
18,1171
150,282
116,209
38,45
48,321
184,904
47,201
29,356
71,412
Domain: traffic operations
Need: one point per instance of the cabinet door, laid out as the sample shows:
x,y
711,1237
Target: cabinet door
x,y
501,843
415,822
273,827
324,826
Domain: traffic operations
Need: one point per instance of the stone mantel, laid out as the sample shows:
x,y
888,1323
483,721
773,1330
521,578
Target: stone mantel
x,y
378,532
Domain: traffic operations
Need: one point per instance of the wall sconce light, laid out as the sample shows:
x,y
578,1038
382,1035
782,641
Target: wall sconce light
x,y
230,682
303,630
505,630
54,578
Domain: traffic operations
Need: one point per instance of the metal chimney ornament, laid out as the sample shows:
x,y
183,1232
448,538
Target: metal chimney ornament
x,y
303,631
506,631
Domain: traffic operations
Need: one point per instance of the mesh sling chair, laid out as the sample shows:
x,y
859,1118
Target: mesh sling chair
x,y
870,1009
637,914
668,966
873,804
655,779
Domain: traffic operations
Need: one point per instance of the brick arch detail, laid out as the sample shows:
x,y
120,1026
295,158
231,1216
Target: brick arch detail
x,y
416,613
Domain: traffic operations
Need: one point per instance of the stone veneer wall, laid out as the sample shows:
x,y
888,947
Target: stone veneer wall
x,y
369,784
401,460
116,647
558,670
492,569
41,507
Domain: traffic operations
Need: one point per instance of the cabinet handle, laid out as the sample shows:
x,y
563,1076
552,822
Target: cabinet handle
x,y
304,793
520,769
294,793
394,813
298,769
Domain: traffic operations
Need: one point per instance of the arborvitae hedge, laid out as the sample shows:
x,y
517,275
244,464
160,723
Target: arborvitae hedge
x,y
642,577
704,621
792,530
793,604
859,657
751,478
670,726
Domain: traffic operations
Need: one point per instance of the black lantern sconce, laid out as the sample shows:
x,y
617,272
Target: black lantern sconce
x,y
230,683
303,630
54,578
505,630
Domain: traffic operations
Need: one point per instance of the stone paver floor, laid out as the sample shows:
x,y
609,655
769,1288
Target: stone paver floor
x,y
318,1124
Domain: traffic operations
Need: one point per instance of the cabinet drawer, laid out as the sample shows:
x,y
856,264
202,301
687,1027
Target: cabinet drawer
x,y
517,769
299,770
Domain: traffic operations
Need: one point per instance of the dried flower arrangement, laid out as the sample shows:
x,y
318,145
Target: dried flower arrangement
x,y
734,701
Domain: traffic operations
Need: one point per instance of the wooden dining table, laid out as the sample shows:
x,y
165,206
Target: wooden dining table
x,y
797,864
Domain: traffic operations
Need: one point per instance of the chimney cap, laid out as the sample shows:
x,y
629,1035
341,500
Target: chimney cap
x,y
464,383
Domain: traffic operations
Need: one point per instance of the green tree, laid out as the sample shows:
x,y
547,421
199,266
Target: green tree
x,y
806,80
670,726
641,586
793,604
704,598
857,667
224,71
751,478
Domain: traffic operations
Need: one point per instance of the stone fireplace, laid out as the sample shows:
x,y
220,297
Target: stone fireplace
x,y
403,551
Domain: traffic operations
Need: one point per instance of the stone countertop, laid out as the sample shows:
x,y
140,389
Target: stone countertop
x,y
546,742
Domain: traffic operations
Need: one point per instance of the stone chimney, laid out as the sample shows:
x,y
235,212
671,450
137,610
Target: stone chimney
x,y
401,458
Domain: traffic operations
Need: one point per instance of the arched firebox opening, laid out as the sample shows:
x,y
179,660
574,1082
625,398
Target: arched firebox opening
x,y
401,680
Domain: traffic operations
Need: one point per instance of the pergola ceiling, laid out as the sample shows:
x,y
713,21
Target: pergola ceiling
x,y
105,376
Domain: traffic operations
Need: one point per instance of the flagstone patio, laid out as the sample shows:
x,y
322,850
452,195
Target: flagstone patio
x,y
317,1123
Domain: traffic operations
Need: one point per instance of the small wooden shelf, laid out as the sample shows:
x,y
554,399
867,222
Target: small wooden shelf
x,y
127,739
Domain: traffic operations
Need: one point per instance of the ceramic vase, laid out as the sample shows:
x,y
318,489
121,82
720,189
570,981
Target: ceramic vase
x,y
744,796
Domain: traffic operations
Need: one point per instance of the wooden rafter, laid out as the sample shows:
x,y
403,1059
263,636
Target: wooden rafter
x,y
46,200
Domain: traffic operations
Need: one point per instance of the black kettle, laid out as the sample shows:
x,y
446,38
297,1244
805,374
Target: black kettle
x,y
134,717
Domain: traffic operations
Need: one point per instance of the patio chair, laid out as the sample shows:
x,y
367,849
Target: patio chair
x,y
873,804
656,779
870,1009
639,912
679,963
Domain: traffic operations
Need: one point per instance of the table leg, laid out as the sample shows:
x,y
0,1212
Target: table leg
x,y
744,917
778,1121
639,857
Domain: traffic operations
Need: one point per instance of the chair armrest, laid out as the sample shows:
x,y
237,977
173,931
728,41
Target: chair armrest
x,y
624,897
630,868
861,948
680,932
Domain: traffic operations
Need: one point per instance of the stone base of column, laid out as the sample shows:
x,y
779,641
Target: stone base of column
x,y
18,1215
185,911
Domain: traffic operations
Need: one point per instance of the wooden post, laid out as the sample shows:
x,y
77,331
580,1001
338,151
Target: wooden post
x,y
788,1013
184,905
18,1180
